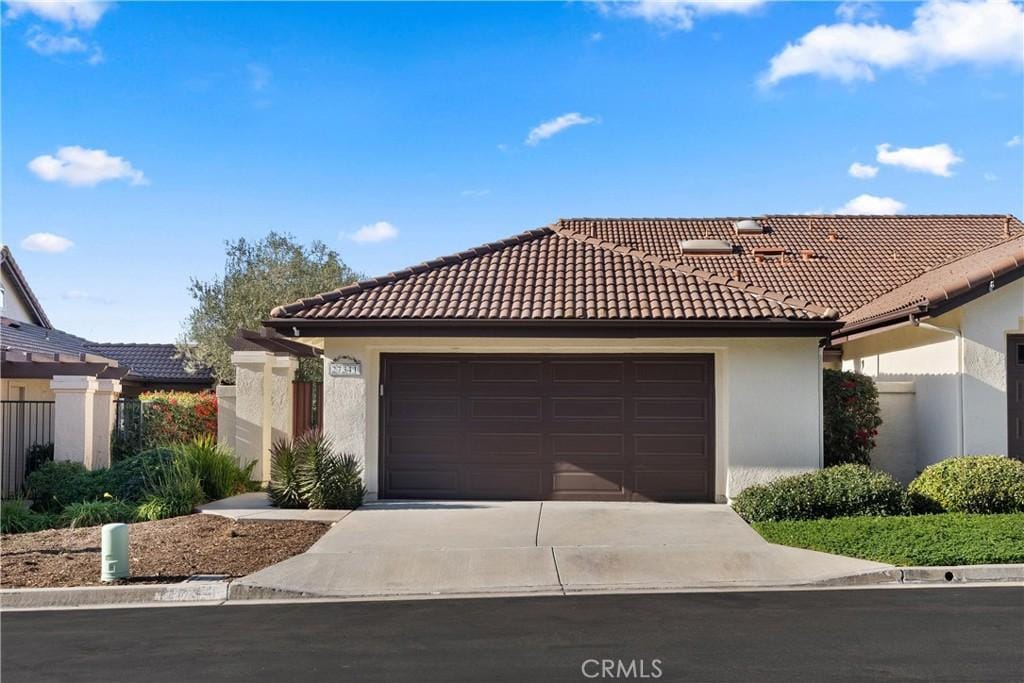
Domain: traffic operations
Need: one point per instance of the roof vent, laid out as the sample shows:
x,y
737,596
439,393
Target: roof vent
x,y
748,226
705,247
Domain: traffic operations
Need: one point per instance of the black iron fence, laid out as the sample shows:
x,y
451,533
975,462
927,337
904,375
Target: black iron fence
x,y
27,439
129,432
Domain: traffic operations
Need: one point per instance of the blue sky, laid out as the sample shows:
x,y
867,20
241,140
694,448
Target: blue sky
x,y
143,135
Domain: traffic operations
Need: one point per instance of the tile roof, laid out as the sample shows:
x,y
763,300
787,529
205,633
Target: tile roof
x,y
152,362
625,268
544,275
147,362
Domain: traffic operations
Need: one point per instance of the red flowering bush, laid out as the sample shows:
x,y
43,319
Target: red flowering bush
x,y
177,416
851,417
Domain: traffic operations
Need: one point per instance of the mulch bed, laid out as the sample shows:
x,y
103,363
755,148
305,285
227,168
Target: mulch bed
x,y
166,551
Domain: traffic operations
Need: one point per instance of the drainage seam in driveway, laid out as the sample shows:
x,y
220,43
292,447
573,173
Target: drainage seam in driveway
x,y
536,535
558,575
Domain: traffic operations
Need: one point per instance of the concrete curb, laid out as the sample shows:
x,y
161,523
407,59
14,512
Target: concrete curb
x,y
187,592
219,592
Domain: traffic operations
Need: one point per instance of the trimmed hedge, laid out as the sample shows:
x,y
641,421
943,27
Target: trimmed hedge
x,y
971,483
851,417
843,491
170,417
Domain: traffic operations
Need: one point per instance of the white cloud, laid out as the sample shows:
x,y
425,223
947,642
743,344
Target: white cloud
x,y
942,33
858,9
50,44
557,125
79,166
46,242
1014,141
82,14
375,232
990,177
934,159
259,77
79,295
674,15
475,193
596,37
862,171
871,205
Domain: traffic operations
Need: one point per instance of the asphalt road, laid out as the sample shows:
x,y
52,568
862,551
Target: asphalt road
x,y
943,633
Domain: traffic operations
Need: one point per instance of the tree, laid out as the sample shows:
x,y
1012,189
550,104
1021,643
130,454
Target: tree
x,y
257,277
852,417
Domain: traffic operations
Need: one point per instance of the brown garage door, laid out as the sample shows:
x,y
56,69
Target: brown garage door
x,y
548,427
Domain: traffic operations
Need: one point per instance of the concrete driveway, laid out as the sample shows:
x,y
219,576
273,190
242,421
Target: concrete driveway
x,y
462,548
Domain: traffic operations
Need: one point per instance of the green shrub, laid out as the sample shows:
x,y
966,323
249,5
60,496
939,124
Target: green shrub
x,y
309,473
217,469
971,483
126,479
56,484
284,488
17,518
851,417
95,513
841,491
172,491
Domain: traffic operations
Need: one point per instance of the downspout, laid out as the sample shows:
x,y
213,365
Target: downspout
x,y
916,322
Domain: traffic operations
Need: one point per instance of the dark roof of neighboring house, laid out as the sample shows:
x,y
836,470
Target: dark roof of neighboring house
x,y
22,336
11,266
145,362
801,268
152,361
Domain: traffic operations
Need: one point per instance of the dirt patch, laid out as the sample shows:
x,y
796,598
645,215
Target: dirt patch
x,y
161,552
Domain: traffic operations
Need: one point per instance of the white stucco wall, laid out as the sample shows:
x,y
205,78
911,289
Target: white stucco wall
x,y
14,306
930,360
34,390
767,396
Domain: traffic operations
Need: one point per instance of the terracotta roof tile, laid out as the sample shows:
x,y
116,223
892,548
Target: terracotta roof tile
x,y
606,269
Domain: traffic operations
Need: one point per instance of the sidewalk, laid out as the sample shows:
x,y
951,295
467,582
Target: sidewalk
x,y
256,507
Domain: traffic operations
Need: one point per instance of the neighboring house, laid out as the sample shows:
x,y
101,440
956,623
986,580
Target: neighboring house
x,y
59,388
34,351
662,359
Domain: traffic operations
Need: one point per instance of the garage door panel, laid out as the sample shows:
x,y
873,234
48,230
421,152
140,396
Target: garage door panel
x,y
423,445
426,408
423,482
568,427
660,372
506,408
596,481
518,372
509,445
566,446
670,408
505,483
595,408
440,372
672,484
669,445
586,371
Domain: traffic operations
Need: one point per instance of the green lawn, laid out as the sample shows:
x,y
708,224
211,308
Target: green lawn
x,y
922,540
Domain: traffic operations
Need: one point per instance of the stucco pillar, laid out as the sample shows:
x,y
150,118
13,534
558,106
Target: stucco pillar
x,y
253,381
226,415
73,418
104,413
281,393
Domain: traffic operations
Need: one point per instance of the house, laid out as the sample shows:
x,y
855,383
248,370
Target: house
x,y
34,351
42,367
655,359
